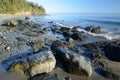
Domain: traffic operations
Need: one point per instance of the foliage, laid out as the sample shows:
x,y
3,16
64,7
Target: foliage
x,y
17,6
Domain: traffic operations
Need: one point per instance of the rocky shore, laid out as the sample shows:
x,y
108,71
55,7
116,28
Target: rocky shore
x,y
47,51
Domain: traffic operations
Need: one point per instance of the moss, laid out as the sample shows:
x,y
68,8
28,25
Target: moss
x,y
19,67
25,67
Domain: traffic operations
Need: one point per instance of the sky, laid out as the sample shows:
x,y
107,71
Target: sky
x,y
80,6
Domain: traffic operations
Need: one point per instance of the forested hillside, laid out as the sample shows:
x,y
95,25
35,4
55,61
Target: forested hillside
x,y
17,6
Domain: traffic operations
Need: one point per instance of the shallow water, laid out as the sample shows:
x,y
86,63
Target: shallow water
x,y
110,23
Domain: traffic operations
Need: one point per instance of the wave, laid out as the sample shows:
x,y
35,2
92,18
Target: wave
x,y
105,22
105,34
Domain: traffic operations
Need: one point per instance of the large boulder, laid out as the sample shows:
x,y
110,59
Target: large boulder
x,y
34,64
74,63
113,52
93,29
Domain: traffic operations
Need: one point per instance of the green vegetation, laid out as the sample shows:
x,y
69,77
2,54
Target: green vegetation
x,y
20,6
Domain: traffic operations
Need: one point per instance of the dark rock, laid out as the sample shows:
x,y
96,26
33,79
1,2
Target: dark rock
x,y
68,39
75,28
95,55
41,76
78,36
45,76
11,23
113,74
92,47
28,24
66,34
44,31
27,18
89,28
54,30
113,52
65,29
50,22
93,29
74,63
20,21
56,44
96,30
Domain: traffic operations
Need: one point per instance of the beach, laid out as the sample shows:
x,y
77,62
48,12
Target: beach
x,y
41,38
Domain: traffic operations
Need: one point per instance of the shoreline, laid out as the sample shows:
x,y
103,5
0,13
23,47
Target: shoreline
x,y
17,39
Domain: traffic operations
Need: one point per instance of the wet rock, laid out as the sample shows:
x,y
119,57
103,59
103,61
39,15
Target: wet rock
x,y
27,24
44,31
11,23
113,74
45,76
20,21
41,76
7,48
65,29
95,56
75,28
54,30
70,40
78,36
56,44
27,18
96,30
42,62
92,47
67,34
113,52
93,29
38,45
74,63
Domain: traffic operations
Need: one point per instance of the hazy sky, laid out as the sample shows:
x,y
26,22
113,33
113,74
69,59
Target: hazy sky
x,y
83,6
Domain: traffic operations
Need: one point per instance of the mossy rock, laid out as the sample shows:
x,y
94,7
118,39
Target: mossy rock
x,y
34,64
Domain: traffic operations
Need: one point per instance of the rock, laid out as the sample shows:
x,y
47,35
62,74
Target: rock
x,y
42,62
75,28
54,30
95,55
96,30
113,52
41,76
27,24
44,31
74,63
38,45
78,36
8,48
65,29
56,44
113,74
20,21
27,18
45,76
93,29
69,40
11,23
92,47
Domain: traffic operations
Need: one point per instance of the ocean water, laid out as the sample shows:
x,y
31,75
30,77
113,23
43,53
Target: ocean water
x,y
110,23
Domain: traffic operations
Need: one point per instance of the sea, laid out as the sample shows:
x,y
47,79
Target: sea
x,y
110,23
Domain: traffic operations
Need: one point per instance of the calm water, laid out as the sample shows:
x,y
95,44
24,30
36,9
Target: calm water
x,y
110,23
